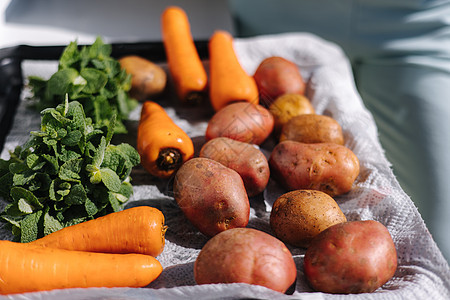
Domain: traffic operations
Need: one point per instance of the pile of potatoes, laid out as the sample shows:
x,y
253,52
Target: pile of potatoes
x,y
311,162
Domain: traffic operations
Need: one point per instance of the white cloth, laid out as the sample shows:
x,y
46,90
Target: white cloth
x,y
422,271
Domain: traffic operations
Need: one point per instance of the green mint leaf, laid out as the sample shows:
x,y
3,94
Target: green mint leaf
x,y
130,152
29,229
96,80
99,153
72,138
70,56
70,170
51,224
91,208
115,204
34,162
77,195
14,221
16,168
18,193
24,206
110,179
61,82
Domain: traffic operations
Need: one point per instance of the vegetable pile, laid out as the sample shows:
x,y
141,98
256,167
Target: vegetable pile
x,y
92,77
66,173
67,184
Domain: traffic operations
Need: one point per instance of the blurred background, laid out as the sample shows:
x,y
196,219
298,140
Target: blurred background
x,y
56,22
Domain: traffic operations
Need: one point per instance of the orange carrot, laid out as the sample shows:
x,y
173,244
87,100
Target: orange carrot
x,y
229,82
135,230
162,145
29,268
185,66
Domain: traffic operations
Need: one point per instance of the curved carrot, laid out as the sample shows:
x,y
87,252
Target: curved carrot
x,y
134,230
229,82
162,145
29,268
186,68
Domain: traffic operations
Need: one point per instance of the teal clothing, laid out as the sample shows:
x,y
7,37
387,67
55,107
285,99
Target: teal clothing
x,y
400,52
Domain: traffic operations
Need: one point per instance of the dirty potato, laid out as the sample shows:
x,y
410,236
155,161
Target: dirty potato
x,y
246,255
147,78
244,158
351,257
312,128
327,167
300,215
287,106
212,196
276,76
241,121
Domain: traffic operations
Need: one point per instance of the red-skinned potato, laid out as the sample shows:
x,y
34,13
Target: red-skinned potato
x,y
351,257
246,255
212,197
298,216
244,158
276,76
241,121
327,167
312,128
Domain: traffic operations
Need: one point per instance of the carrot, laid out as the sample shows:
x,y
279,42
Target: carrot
x,y
162,145
134,230
30,268
186,68
229,82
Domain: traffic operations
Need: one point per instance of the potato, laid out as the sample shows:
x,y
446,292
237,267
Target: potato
x,y
147,78
351,257
300,215
244,158
276,76
288,106
212,196
246,255
312,129
327,167
241,121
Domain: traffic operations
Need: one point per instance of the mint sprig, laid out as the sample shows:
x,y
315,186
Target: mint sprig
x,y
92,77
66,173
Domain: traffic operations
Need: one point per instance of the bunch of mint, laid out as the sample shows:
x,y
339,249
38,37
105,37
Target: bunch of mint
x,y
66,173
92,77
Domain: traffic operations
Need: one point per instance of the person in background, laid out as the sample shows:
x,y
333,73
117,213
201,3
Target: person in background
x,y
400,53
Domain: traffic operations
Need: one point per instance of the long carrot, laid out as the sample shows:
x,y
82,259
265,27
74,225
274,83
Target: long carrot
x,y
228,81
162,145
139,229
185,66
29,268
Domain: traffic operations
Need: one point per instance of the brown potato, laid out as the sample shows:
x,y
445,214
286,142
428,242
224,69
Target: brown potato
x,y
241,121
246,255
147,78
212,196
312,129
298,216
327,167
351,257
287,106
276,76
244,158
